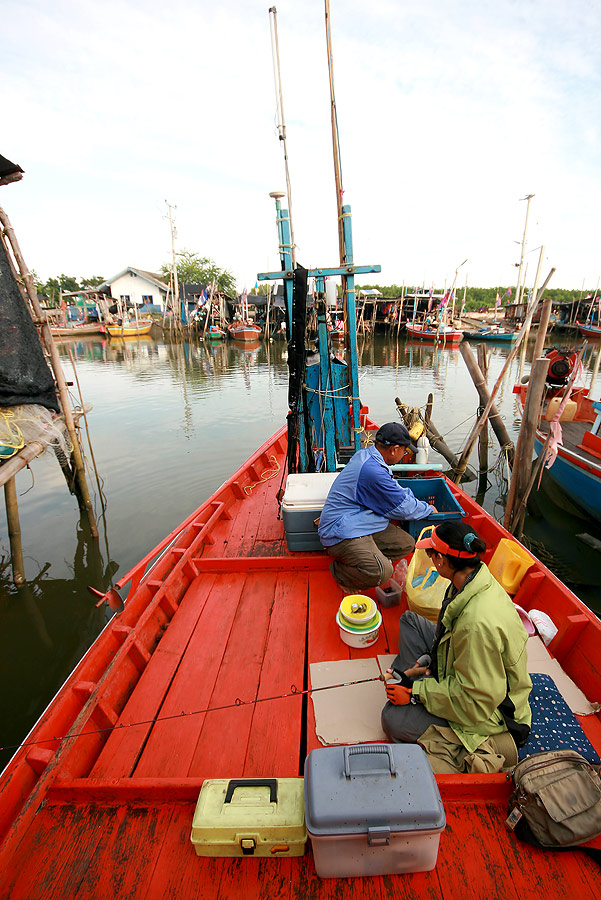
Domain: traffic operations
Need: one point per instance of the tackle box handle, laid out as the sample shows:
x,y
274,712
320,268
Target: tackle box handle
x,y
270,783
368,748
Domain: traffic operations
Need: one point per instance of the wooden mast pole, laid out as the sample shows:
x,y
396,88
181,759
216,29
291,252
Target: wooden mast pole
x,y
528,198
57,368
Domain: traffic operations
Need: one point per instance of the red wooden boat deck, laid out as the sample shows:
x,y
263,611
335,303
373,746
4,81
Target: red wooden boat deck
x,y
228,614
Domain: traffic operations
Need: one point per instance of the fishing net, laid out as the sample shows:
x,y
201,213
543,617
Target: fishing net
x,y
21,425
24,374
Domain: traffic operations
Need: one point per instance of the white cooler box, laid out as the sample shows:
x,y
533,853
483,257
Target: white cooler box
x,y
372,809
303,502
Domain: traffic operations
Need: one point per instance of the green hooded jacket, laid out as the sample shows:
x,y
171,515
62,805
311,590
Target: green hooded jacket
x,y
482,652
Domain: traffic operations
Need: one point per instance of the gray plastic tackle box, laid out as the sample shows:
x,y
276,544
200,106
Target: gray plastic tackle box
x,y
372,809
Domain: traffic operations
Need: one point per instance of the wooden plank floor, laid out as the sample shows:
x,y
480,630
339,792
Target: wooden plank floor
x,y
246,636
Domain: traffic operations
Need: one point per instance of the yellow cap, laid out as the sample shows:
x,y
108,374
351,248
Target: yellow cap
x,y
358,608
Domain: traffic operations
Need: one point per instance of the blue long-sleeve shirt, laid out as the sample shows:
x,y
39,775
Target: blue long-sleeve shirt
x,y
364,498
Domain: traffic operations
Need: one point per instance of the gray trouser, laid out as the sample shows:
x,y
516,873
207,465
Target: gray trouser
x,y
364,562
405,724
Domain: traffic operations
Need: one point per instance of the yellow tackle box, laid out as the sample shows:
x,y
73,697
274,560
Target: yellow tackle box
x,y
250,817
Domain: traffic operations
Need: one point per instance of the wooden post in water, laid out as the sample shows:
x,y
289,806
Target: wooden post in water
x,y
483,439
42,320
14,532
543,325
522,468
479,379
469,446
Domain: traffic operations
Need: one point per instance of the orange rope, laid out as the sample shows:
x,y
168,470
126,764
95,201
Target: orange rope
x,y
265,475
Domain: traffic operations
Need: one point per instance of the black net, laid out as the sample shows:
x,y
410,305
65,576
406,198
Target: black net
x,y
24,373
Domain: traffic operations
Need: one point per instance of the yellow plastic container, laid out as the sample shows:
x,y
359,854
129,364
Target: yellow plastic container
x,y
568,413
509,564
250,817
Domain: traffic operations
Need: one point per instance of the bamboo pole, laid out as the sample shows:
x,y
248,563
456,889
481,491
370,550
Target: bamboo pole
x,y
14,532
467,451
522,468
57,369
479,379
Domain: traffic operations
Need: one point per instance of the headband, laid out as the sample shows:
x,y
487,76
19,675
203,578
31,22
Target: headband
x,y
441,546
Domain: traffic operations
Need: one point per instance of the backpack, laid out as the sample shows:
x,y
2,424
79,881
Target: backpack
x,y
556,802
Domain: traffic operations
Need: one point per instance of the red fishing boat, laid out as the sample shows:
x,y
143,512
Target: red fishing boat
x,y
244,331
205,672
592,332
433,335
196,679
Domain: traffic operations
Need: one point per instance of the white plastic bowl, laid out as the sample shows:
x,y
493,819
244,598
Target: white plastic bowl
x,y
359,638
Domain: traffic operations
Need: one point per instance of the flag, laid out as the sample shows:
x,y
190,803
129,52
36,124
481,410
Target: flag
x,y
498,300
508,292
256,287
202,299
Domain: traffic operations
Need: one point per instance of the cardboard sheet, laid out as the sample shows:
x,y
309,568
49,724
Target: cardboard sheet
x,y
349,714
541,661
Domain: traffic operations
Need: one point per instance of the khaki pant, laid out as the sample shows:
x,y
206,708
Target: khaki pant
x,y
365,562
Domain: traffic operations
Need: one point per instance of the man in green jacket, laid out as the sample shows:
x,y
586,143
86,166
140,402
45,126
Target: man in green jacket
x,y
474,691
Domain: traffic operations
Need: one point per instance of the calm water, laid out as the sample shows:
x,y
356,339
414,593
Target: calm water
x,y
168,424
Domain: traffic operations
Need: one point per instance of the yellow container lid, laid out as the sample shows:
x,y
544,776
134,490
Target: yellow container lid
x,y
357,608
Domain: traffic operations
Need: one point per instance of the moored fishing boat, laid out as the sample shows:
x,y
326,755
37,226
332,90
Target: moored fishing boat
x,y
129,328
592,332
491,334
214,333
244,331
432,334
77,330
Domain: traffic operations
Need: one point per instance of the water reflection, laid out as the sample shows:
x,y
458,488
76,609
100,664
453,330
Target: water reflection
x,y
47,625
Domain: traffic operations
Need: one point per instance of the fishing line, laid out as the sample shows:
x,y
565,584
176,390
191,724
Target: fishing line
x,y
294,692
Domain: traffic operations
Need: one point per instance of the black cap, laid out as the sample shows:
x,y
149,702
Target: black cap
x,y
394,433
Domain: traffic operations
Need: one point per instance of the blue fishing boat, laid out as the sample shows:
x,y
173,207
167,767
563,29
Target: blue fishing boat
x,y
492,333
577,465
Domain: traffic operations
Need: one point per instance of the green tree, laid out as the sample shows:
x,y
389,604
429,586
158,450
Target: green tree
x,y
195,269
92,282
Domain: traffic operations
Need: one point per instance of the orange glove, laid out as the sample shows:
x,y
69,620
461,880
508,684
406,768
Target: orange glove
x,y
398,695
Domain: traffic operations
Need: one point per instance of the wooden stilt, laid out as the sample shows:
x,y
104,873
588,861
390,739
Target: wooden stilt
x,y
483,439
14,532
522,468
479,379
57,369
469,446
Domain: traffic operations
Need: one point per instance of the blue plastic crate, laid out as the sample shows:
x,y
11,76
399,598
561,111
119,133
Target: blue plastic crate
x,y
437,492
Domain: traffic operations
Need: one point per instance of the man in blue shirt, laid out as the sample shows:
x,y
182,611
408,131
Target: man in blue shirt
x,y
356,525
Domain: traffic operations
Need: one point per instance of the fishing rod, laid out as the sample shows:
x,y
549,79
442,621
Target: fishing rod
x,y
293,692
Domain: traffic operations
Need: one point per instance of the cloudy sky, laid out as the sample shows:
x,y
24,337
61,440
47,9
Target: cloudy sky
x,y
450,112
